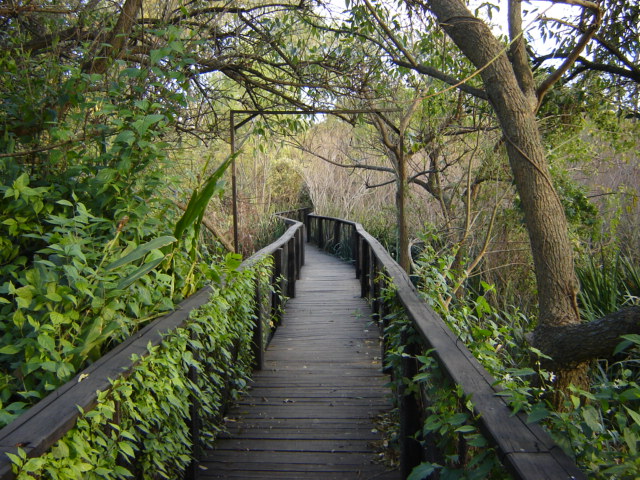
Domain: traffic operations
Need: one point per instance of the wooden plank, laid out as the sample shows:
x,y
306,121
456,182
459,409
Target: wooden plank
x,y
513,436
311,408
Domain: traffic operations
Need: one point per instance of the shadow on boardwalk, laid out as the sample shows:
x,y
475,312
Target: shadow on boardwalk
x,y
309,413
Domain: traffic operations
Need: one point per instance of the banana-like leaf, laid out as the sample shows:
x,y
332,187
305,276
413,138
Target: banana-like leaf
x,y
138,273
142,250
200,199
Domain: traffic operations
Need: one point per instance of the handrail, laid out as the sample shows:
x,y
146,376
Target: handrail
x,y
525,448
36,430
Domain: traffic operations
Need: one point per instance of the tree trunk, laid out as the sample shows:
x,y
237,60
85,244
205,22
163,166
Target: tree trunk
x,y
574,344
401,203
118,38
544,214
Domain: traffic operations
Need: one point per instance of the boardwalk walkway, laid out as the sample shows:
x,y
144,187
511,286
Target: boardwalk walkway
x,y
309,413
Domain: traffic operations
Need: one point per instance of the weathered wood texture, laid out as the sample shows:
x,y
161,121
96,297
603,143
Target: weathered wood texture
x,y
525,448
309,413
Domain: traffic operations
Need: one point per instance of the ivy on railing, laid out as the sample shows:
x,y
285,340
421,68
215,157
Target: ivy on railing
x,y
172,381
142,427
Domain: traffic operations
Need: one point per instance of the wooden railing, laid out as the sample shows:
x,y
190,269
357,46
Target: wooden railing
x,y
41,426
524,448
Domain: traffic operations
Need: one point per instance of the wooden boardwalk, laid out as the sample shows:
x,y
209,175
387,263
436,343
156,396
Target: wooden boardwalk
x,y
309,413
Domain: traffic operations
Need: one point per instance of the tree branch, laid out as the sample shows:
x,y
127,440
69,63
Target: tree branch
x,y
573,344
117,39
570,60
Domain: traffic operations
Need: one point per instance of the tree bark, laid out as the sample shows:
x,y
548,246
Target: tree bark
x,y
572,345
518,54
544,214
401,204
118,38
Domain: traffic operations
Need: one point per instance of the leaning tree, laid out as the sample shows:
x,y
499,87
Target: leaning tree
x,y
516,93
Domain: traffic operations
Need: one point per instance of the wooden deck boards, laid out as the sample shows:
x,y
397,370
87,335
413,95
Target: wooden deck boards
x,y
309,413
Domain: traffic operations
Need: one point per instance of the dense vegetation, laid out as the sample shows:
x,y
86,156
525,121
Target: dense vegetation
x,y
500,166
141,426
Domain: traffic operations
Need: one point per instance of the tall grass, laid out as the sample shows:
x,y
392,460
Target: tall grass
x,y
607,285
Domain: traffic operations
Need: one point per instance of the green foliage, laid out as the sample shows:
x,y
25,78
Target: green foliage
x,y
607,286
598,428
449,428
87,251
140,427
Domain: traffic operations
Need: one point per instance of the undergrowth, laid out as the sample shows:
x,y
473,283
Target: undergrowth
x,y
599,429
141,426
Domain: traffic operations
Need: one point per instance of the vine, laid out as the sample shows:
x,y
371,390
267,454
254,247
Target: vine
x,y
141,426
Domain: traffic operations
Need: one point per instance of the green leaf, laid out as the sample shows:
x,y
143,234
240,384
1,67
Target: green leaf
x,y
126,448
46,342
54,297
126,136
142,250
537,414
457,419
465,429
144,123
58,318
631,439
423,470
630,339
10,349
592,419
140,272
199,200
634,415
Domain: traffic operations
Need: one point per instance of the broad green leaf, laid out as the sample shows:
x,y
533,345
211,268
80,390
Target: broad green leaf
x,y
142,250
126,136
199,200
10,349
126,448
537,414
58,318
634,415
46,342
139,273
422,471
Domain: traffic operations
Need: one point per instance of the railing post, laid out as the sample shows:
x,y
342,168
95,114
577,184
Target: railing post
x,y
258,329
385,309
371,263
277,280
353,240
410,419
307,223
194,417
364,268
375,291
357,240
320,242
301,238
336,235
285,269
291,268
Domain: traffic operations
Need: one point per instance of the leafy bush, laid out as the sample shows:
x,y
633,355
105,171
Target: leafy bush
x,y
599,428
140,426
